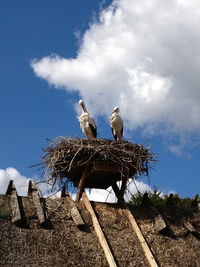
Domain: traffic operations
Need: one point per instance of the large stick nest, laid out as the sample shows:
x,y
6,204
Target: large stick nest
x,y
66,154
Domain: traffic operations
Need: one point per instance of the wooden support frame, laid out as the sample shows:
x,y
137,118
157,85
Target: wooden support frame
x,y
64,193
141,238
135,227
118,193
98,167
124,181
81,184
99,232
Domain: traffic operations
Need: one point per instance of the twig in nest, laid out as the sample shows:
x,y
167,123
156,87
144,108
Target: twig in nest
x,y
66,154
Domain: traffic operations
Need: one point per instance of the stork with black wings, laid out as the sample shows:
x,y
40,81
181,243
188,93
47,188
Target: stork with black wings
x,y
87,123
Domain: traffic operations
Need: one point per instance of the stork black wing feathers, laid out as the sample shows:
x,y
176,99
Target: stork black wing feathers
x,y
122,131
94,130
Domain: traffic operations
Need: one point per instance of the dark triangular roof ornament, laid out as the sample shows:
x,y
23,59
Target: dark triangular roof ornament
x,y
10,188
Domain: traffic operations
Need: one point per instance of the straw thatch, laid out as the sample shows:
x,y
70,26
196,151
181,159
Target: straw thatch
x,y
66,155
66,245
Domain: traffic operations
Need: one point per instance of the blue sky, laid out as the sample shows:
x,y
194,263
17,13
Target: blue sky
x,y
55,52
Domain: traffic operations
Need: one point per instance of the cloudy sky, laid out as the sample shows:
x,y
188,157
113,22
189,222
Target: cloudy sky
x,y
143,56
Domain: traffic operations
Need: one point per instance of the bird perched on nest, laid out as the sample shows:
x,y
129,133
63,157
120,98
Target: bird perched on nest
x,y
116,124
87,123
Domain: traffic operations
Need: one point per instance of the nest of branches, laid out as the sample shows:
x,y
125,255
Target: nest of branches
x,y
66,155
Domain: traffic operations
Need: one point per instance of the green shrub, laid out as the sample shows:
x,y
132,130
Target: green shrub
x,y
172,202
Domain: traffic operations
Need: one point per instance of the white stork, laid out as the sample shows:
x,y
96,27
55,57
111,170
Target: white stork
x,y
116,124
87,123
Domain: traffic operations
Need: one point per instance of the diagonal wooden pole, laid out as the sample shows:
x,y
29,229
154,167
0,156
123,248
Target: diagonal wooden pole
x,y
136,228
82,183
99,231
141,238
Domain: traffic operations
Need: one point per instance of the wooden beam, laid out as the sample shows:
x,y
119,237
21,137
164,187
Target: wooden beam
x,y
64,193
118,193
32,190
82,183
135,227
14,203
99,167
141,238
124,182
99,232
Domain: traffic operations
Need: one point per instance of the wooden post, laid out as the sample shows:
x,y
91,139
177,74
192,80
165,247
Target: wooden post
x,y
14,203
118,193
64,193
99,232
124,181
82,183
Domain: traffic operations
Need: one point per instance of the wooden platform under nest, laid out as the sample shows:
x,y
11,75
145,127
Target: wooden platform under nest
x,y
98,163
99,175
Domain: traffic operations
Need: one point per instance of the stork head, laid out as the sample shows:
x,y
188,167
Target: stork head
x,y
116,110
82,104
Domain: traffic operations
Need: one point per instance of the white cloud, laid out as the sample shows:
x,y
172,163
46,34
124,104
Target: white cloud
x,y
108,195
143,56
20,181
21,184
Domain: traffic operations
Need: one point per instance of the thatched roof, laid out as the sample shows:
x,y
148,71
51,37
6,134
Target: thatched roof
x,y
67,157
66,245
